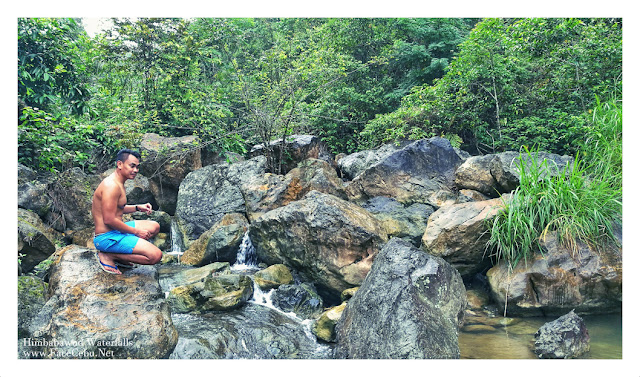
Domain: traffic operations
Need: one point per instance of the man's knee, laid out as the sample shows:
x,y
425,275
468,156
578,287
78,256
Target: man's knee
x,y
155,256
155,227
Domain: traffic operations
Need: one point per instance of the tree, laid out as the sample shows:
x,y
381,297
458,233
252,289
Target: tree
x,y
51,71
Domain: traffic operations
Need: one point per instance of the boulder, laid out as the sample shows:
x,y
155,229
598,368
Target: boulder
x,y
273,277
494,174
458,233
421,172
32,295
166,161
297,148
324,326
161,217
475,174
35,240
303,300
92,314
559,279
175,277
565,338
331,242
207,194
251,332
271,191
32,193
354,164
218,244
72,196
407,222
214,293
410,306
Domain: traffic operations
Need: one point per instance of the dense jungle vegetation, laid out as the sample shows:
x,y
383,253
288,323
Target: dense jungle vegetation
x,y
487,85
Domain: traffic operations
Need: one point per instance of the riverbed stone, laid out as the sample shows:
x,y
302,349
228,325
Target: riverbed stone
x,y
354,164
36,242
214,293
565,338
218,244
273,277
410,306
32,295
418,173
408,222
251,332
207,194
458,233
586,279
324,326
93,314
303,300
329,241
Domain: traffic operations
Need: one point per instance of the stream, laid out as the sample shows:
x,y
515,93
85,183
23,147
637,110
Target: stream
x,y
259,330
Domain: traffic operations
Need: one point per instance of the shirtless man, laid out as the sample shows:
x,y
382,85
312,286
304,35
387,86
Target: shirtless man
x,y
121,243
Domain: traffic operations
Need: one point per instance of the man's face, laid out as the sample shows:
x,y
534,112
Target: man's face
x,y
130,167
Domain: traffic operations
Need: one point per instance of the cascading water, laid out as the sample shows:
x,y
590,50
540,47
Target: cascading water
x,y
246,259
176,240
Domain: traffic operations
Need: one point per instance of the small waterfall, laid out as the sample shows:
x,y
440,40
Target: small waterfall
x,y
176,240
246,258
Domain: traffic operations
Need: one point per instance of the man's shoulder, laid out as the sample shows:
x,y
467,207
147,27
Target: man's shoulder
x,y
109,184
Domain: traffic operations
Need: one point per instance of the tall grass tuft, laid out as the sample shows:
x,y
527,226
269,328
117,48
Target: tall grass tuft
x,y
583,202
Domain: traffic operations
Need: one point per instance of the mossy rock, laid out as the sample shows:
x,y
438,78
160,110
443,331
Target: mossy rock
x,y
273,277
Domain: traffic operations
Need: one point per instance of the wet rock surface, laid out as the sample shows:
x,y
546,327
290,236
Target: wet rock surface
x,y
410,306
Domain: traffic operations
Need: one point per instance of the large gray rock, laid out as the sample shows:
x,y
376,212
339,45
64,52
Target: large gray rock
x,y
214,293
421,172
218,244
331,242
271,191
72,196
251,332
92,314
587,280
207,194
410,306
403,221
32,295
494,174
565,338
458,233
303,300
35,240
297,148
354,164
166,161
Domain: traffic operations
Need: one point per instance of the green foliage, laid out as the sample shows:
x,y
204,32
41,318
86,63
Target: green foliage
x,y
48,143
51,71
516,82
582,203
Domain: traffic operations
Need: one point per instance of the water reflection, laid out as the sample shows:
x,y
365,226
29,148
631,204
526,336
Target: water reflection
x,y
515,340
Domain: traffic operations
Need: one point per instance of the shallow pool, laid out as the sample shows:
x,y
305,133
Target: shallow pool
x,y
514,339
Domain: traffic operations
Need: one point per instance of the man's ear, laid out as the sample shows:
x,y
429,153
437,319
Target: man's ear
x,y
119,164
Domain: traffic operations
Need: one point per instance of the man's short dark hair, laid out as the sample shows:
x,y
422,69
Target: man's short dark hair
x,y
123,155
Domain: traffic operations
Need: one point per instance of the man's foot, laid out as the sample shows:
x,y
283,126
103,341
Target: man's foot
x,y
107,264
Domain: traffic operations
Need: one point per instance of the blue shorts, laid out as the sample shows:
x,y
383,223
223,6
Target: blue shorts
x,y
116,241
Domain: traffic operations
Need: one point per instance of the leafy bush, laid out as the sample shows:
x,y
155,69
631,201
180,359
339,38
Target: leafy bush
x,y
47,143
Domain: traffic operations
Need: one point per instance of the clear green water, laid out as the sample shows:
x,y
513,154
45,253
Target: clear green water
x,y
515,341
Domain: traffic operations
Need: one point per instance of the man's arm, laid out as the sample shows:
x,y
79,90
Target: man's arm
x,y
110,196
146,208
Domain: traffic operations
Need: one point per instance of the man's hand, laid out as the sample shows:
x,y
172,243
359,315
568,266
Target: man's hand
x,y
146,208
144,234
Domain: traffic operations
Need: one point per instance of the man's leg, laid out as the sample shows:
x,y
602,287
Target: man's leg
x,y
144,252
